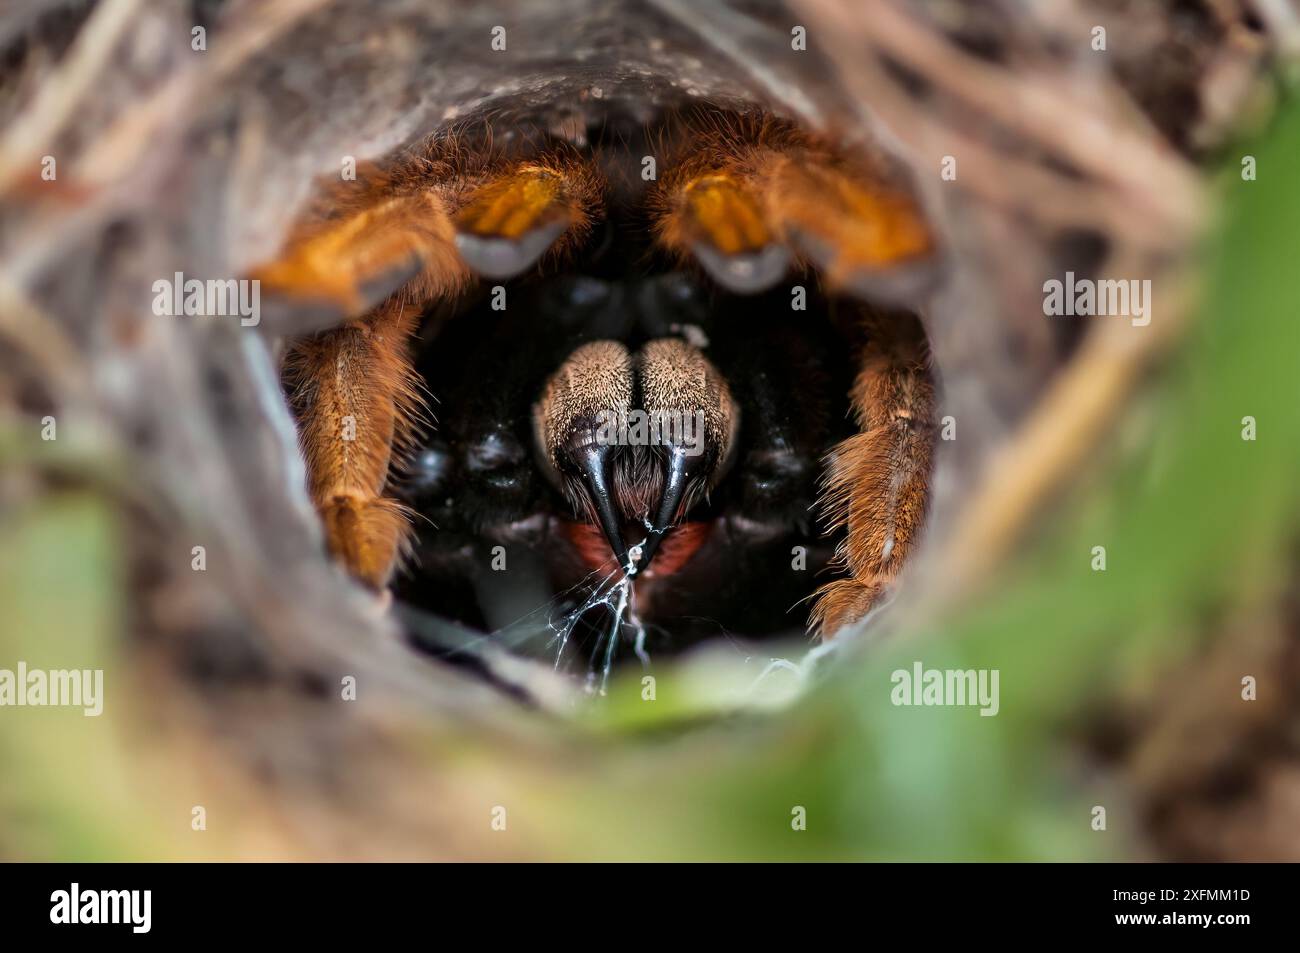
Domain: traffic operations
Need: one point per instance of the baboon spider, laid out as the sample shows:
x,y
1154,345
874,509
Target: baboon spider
x,y
670,298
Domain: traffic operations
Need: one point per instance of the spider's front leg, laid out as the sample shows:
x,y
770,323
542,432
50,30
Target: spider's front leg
x,y
877,482
745,198
353,388
355,396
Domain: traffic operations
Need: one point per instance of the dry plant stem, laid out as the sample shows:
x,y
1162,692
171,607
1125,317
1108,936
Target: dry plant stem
x,y
43,340
61,94
1085,399
1085,133
1283,19
120,146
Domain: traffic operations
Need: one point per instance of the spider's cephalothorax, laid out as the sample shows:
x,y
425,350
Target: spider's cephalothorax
x,y
652,374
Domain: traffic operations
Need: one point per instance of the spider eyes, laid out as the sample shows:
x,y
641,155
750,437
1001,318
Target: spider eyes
x,y
775,476
495,457
586,293
657,306
429,472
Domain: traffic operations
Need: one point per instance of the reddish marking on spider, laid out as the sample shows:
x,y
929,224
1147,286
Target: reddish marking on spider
x,y
674,552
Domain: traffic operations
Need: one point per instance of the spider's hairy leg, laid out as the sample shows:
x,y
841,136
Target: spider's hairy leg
x,y
877,482
717,215
510,221
744,193
864,232
343,262
356,397
429,232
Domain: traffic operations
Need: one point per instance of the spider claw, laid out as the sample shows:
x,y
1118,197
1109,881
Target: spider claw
x,y
509,223
893,285
502,258
677,478
595,463
720,220
745,273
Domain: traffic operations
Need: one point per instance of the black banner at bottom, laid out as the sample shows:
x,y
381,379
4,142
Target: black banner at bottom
x,y
141,902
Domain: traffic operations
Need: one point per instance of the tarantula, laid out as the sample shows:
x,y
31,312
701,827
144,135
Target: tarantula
x,y
646,341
